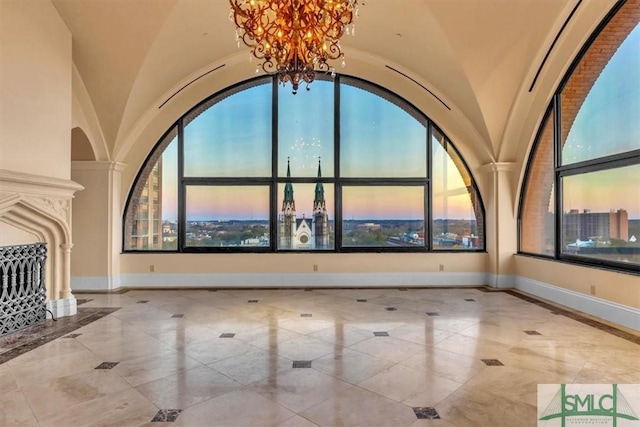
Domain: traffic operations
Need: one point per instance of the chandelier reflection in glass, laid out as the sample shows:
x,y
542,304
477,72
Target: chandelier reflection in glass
x,y
294,38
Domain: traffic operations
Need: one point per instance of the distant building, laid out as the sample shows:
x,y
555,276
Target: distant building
x,y
147,219
586,224
304,233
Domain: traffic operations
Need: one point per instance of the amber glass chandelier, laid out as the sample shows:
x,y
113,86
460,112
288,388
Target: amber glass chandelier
x,y
294,38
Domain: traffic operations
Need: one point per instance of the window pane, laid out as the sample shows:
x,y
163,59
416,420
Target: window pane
x,y
305,130
224,216
383,216
537,232
601,216
601,102
305,216
151,218
378,138
231,138
456,211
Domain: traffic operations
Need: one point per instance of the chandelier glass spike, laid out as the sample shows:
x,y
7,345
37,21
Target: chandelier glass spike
x,y
294,38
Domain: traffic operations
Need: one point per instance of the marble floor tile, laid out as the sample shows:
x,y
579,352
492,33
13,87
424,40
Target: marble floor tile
x,y
7,382
144,369
266,336
389,348
410,386
46,398
252,366
187,388
299,389
239,408
342,335
15,410
215,348
358,407
421,333
351,366
304,348
446,364
126,408
473,347
297,421
470,407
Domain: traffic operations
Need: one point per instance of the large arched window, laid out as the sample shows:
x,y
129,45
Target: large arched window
x,y
344,167
581,200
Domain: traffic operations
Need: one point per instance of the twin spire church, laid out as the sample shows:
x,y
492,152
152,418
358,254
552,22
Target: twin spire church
x,y
304,233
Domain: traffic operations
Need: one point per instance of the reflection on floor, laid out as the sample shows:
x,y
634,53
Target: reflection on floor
x,y
351,357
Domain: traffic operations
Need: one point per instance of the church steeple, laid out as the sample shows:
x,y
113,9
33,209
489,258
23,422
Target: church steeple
x,y
319,196
288,188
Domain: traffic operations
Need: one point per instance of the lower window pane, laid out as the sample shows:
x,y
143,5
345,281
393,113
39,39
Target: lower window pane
x,y
601,215
227,216
388,216
305,216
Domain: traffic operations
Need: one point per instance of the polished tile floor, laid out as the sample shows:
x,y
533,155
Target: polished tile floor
x,y
296,358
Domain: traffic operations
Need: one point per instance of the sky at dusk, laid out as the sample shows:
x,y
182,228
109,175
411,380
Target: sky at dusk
x,y
599,131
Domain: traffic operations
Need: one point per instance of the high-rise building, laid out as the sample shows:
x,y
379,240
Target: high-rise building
x,y
587,225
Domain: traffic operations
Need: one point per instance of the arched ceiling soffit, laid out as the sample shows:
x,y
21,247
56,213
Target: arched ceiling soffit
x,y
474,54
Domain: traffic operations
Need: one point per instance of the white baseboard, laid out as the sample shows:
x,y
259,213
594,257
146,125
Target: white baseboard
x,y
317,280
62,307
94,283
501,281
611,311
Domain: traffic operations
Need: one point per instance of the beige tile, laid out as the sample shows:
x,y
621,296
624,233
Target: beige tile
x,y
432,423
239,408
421,333
351,366
297,421
214,349
187,388
299,389
252,366
304,348
143,369
305,325
38,371
266,336
7,382
472,407
446,364
15,411
46,398
389,348
342,335
358,407
401,383
480,348
123,409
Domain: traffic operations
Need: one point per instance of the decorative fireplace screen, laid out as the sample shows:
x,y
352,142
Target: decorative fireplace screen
x,y
22,297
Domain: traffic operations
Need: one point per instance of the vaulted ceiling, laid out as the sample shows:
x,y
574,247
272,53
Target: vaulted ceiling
x,y
478,56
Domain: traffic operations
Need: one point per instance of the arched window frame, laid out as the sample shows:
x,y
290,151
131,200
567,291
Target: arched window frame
x,y
178,127
559,171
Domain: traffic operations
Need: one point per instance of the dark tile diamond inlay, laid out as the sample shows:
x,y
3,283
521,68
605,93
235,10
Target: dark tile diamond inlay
x,y
227,335
426,413
432,313
143,302
306,315
381,334
178,316
361,300
492,362
469,299
390,308
252,301
107,365
302,363
532,333
72,336
166,416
